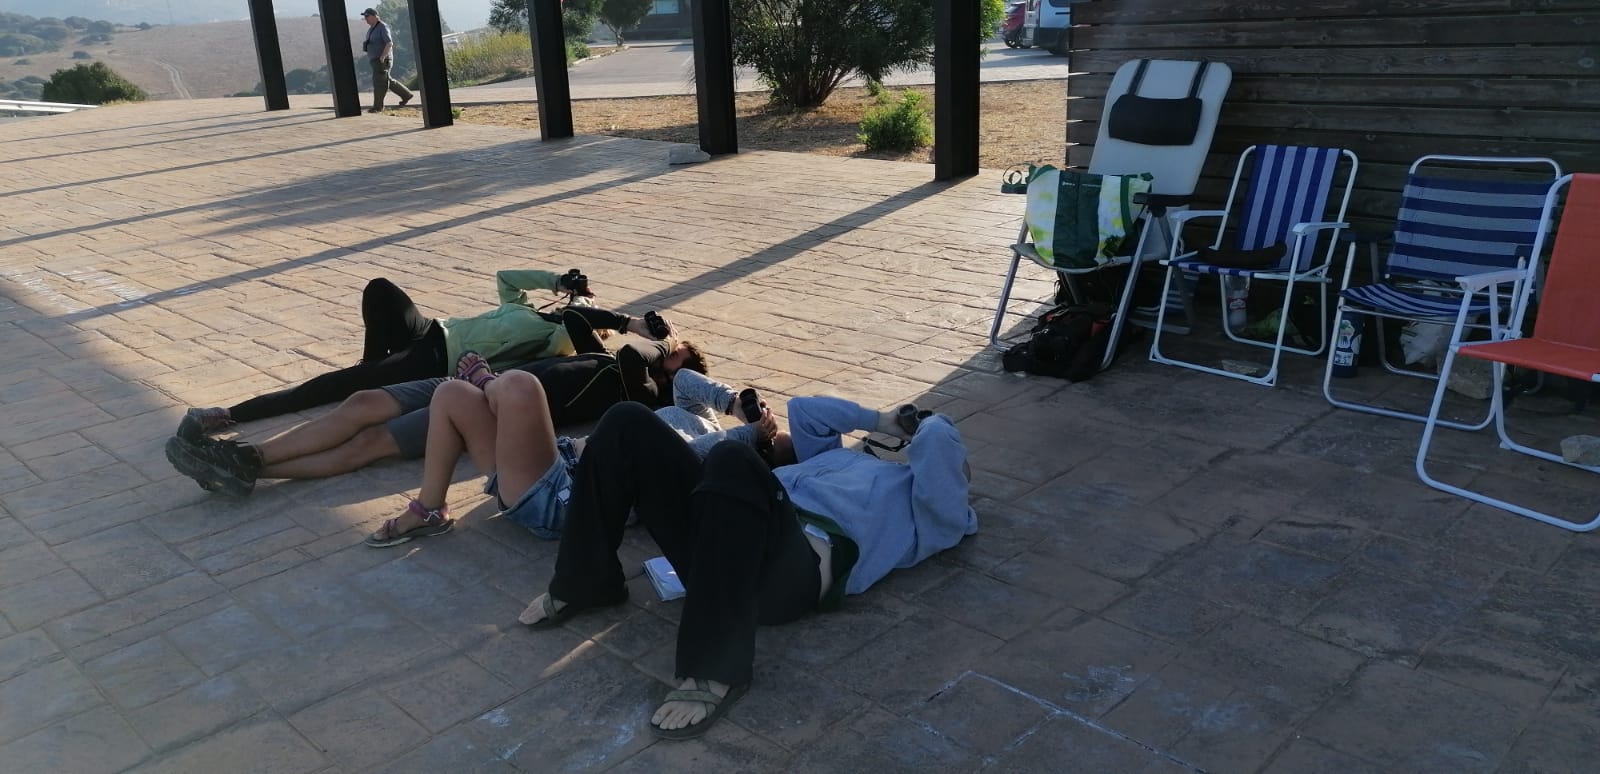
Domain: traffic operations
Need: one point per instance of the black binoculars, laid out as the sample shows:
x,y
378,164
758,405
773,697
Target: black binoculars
x,y
574,282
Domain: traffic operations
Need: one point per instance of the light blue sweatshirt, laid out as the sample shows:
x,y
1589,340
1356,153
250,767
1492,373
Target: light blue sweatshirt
x,y
897,515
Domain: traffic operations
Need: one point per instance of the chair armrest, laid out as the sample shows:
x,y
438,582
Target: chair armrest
x,y
1160,202
1306,228
1188,215
1364,237
1475,282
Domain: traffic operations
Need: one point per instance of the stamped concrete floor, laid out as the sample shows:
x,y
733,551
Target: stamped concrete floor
x,y
1174,572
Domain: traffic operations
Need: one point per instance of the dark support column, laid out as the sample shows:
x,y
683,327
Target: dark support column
x,y
955,89
341,62
265,28
550,69
433,81
713,76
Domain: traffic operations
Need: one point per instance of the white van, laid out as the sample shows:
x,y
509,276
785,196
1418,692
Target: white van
x,y
1046,25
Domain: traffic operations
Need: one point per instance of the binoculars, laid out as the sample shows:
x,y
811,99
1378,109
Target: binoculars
x,y
574,282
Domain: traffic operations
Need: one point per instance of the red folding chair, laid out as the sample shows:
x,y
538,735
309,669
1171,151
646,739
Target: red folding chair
x,y
1565,340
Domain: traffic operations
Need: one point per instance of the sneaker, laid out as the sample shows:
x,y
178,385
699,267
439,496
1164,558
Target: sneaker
x,y
197,423
230,467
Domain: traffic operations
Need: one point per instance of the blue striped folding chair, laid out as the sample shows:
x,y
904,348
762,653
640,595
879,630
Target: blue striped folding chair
x,y
1278,224
1460,218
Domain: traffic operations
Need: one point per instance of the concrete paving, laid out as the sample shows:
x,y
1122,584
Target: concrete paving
x,y
1174,572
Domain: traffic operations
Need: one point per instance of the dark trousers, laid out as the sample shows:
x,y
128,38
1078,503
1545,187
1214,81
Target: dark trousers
x,y
726,525
400,345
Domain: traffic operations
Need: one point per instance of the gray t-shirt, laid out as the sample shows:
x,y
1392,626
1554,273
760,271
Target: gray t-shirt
x,y
377,38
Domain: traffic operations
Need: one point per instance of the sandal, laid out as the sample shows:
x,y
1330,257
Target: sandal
x,y
718,707
473,369
434,522
554,617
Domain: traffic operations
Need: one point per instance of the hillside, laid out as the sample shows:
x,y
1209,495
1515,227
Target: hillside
x,y
193,61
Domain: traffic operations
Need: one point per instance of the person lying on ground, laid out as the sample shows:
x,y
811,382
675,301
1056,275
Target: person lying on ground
x,y
402,345
392,421
503,422
752,545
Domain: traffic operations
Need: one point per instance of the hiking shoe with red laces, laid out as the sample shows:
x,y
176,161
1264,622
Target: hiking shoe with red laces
x,y
197,423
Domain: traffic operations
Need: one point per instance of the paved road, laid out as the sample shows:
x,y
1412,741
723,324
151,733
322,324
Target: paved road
x,y
667,67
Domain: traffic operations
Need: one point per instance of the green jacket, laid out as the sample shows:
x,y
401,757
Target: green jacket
x,y
514,333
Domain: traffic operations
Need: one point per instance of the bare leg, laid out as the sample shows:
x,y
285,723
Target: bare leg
x,y
368,446
525,435
459,421
357,413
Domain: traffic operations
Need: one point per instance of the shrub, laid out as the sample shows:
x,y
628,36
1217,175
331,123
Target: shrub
x,y
576,49
803,49
897,126
93,84
490,57
875,90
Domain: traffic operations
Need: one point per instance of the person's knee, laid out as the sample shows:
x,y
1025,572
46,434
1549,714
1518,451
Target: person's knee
x,y
378,285
454,393
734,459
373,444
515,386
369,407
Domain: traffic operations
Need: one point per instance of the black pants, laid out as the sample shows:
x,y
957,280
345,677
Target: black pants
x,y
726,525
401,345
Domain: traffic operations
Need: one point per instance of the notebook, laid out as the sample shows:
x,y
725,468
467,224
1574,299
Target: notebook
x,y
663,578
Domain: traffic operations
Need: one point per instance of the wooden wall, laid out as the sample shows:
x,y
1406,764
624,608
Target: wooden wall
x,y
1390,80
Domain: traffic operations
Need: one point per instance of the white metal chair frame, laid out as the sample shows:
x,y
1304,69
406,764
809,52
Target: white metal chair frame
x,y
1316,272
1497,411
1523,281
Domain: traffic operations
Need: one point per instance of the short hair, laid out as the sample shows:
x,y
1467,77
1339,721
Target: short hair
x,y
696,359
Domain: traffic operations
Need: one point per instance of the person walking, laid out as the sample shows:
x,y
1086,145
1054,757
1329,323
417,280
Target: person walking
x,y
379,47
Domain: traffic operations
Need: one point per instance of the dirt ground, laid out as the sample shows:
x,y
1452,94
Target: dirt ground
x,y
1019,122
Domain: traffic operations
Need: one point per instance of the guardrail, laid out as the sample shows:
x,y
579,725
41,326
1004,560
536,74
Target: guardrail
x,y
29,106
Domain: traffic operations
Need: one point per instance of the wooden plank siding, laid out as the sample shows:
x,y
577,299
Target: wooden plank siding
x,y
1389,79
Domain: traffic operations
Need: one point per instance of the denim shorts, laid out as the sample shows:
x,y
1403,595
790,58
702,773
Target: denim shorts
x,y
542,509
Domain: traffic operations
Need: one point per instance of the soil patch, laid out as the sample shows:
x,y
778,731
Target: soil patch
x,y
1019,122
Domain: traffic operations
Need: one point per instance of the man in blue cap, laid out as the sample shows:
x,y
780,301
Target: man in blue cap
x,y
379,46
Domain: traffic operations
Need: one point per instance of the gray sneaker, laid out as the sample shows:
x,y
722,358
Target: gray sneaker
x,y
230,467
197,423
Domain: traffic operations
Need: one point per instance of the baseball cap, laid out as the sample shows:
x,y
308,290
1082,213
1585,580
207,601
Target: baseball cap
x,y
369,12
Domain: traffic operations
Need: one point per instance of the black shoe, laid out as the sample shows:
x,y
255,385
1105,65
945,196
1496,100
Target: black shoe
x,y
374,110
403,102
197,423
227,466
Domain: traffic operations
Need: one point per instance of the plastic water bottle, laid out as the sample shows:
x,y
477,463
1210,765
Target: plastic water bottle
x,y
1238,294
1347,345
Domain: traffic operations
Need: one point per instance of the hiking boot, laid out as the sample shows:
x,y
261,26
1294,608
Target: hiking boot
x,y
230,467
197,423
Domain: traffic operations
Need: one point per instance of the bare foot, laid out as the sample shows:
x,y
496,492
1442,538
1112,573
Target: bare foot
x,y
673,715
536,612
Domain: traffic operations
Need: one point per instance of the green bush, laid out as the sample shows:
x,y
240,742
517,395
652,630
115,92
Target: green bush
x,y
897,126
577,49
91,84
490,58
875,90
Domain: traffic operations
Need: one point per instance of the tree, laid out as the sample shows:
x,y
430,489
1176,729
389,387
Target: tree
x,y
90,84
803,49
620,15
577,17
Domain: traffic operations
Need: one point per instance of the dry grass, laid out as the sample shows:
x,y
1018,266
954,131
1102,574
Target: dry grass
x,y
1019,121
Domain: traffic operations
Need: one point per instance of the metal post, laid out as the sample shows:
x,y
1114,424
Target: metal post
x,y
341,62
265,28
433,83
955,89
550,69
713,76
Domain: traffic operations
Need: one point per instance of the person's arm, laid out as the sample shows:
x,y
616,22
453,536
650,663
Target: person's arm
x,y
745,434
640,361
388,43
939,487
605,318
817,423
513,284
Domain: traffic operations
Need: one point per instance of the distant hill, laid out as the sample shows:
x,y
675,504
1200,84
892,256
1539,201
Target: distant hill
x,y
193,61
459,14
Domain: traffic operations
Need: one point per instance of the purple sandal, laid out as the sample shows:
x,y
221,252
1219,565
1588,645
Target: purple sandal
x,y
434,522
473,369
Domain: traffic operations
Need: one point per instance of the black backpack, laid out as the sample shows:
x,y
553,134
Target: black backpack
x,y
1068,342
